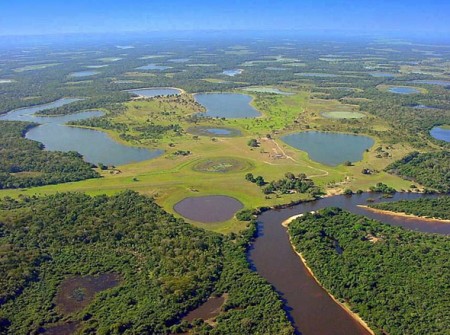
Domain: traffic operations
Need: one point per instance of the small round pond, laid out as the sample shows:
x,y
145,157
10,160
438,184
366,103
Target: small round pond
x,y
403,90
330,148
153,92
441,133
227,105
214,132
208,209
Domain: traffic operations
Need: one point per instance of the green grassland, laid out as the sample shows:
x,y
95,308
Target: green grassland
x,y
171,177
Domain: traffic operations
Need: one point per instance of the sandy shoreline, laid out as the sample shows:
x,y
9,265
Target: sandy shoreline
x,y
346,308
403,214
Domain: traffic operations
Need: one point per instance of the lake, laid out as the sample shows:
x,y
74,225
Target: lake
x,y
150,67
266,90
433,82
440,133
227,105
95,146
232,73
83,74
208,209
310,308
403,90
330,148
214,132
153,92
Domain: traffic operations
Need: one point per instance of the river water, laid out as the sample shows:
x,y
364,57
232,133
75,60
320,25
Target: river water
x,y
311,310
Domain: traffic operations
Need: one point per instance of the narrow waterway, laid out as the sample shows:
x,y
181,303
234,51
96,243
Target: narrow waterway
x,y
311,310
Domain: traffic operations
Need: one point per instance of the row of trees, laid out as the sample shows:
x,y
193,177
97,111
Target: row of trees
x,y
425,207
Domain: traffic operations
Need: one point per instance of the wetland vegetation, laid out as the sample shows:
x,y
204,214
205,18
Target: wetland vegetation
x,y
197,106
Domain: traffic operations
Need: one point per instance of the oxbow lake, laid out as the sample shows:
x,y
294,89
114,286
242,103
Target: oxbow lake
x,y
95,146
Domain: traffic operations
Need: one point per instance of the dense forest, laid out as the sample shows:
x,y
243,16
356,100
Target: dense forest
x,y
165,268
429,169
396,280
24,163
425,207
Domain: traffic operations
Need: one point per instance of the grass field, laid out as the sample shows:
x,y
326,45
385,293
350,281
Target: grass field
x,y
217,165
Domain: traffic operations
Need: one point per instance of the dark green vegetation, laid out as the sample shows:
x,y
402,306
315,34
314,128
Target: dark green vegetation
x,y
162,268
429,169
426,207
395,279
24,163
382,188
289,184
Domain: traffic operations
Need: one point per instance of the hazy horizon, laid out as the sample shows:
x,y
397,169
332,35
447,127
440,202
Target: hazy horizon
x,y
50,17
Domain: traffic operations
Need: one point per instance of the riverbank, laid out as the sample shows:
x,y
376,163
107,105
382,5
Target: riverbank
x,y
403,214
344,306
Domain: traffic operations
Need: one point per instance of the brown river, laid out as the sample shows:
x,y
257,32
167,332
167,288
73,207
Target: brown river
x,y
311,310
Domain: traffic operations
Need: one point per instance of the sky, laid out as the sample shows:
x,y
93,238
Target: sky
x,y
41,17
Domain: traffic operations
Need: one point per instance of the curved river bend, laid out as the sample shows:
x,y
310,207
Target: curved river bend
x,y
311,310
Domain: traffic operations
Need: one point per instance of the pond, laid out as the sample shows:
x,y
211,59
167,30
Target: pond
x,y
271,90
330,148
208,209
150,67
153,92
433,82
403,90
227,105
214,132
441,133
95,146
232,73
310,308
83,74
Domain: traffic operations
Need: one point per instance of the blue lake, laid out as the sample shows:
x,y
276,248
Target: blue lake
x,y
433,82
227,105
330,148
155,67
95,146
266,90
153,92
232,73
274,68
403,90
440,134
83,74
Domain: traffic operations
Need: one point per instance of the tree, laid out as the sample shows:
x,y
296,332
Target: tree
x,y
253,143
